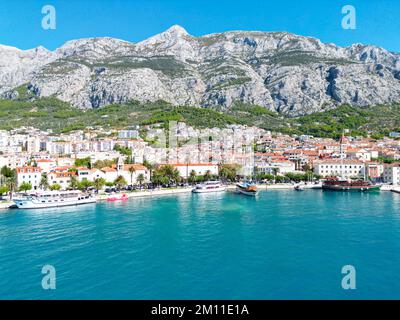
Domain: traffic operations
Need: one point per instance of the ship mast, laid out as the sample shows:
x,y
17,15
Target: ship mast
x,y
341,156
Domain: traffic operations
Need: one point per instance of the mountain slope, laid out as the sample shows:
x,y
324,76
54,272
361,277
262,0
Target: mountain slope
x,y
282,72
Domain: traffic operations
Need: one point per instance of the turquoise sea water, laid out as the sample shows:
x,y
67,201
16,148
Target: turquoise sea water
x,y
282,245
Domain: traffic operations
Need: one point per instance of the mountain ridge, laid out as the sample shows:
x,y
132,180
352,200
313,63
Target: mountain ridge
x,y
280,71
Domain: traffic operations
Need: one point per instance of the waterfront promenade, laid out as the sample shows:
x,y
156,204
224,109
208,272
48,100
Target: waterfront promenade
x,y
172,191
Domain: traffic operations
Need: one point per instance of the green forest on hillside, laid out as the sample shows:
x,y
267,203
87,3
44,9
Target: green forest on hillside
x,y
51,113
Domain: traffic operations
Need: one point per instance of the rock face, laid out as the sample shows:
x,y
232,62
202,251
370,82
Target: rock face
x,y
283,72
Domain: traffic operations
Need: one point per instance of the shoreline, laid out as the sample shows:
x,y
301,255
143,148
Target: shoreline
x,y
230,188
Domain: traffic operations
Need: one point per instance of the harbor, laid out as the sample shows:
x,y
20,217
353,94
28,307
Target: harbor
x,y
6,204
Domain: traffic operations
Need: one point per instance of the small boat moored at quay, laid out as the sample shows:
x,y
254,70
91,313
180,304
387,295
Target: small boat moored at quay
x,y
248,189
337,184
298,187
209,186
52,199
124,197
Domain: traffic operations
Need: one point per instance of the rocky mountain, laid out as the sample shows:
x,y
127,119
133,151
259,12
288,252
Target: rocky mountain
x,y
280,71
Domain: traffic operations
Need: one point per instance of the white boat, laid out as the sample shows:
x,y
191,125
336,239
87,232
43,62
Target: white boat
x,y
247,189
53,199
209,186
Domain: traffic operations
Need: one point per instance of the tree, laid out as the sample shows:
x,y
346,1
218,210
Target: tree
x,y
192,176
84,162
85,184
3,189
275,173
170,172
159,178
120,182
207,175
140,179
123,150
100,164
99,183
55,187
7,172
10,176
149,167
25,186
132,170
44,183
109,184
228,171
73,183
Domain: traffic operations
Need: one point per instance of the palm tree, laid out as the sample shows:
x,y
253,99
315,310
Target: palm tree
x,y
207,175
10,176
140,179
170,172
149,167
275,172
228,171
175,176
192,176
44,183
132,170
159,178
11,184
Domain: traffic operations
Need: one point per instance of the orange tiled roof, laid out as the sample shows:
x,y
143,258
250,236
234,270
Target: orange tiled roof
x,y
28,169
62,174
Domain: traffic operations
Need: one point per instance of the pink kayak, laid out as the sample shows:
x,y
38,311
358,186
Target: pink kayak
x,y
124,197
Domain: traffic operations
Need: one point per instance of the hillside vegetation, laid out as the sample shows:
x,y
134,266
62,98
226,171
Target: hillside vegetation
x,y
51,113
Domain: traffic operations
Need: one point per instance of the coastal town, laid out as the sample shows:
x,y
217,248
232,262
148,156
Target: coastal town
x,y
133,158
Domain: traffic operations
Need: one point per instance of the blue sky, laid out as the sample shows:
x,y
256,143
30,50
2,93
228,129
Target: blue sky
x,y
20,20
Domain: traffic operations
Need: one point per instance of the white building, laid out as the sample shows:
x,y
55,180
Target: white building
x,y
61,178
130,172
277,166
59,147
90,174
391,174
128,134
357,153
200,169
31,175
339,168
46,164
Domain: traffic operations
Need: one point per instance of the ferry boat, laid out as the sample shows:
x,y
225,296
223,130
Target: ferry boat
x,y
349,185
248,189
209,186
52,199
